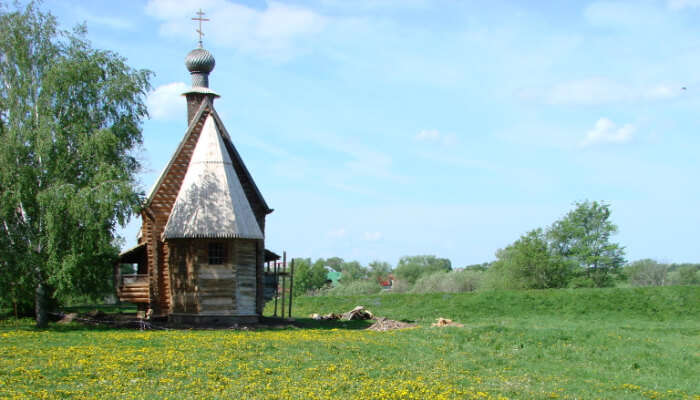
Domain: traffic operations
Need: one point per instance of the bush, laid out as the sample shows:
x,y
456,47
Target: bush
x,y
685,274
449,282
308,276
529,263
411,268
647,272
582,282
401,286
355,288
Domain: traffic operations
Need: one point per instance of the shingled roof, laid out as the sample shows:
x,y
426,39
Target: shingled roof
x,y
211,202
206,109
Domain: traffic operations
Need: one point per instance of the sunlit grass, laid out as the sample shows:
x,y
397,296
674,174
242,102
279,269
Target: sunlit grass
x,y
493,356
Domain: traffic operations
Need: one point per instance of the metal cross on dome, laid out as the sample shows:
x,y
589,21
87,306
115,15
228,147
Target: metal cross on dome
x,y
199,18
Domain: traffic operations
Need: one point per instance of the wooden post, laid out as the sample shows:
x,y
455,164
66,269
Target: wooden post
x,y
291,286
277,291
284,280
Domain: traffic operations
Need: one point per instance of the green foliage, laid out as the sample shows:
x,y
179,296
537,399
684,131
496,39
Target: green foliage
x,y
530,263
355,288
69,121
479,267
685,274
449,282
352,271
334,262
583,236
379,270
583,281
308,276
647,272
575,251
410,268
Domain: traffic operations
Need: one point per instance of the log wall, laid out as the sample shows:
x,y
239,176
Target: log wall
x,y
213,289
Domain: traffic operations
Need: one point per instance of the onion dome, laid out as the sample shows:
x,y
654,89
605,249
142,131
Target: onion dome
x,y
200,60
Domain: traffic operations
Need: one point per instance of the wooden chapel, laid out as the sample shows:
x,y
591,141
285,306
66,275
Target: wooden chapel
x,y
201,247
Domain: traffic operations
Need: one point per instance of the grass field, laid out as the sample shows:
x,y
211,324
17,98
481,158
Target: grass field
x,y
582,344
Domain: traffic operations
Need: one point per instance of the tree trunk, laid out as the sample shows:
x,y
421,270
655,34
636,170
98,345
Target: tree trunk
x,y
41,305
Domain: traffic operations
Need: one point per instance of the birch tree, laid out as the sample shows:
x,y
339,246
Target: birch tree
x,y
70,121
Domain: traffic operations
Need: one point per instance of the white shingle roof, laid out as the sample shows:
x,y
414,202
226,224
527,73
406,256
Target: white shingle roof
x,y
211,202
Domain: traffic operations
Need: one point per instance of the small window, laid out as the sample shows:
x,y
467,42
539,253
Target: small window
x,y
217,253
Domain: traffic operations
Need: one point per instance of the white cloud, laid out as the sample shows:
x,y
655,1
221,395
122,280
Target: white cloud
x,y
605,131
274,31
434,136
166,102
598,90
372,236
337,233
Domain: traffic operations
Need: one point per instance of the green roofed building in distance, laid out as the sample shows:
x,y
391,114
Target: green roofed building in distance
x,y
333,276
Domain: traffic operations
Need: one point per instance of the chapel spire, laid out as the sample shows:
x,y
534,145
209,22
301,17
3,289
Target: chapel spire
x,y
200,62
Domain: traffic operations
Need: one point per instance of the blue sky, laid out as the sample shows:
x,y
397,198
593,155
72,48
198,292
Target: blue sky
x,y
383,128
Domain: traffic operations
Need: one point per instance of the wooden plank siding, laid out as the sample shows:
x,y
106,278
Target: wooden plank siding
x,y
213,289
245,261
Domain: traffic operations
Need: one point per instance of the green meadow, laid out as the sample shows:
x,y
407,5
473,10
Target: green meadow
x,y
570,344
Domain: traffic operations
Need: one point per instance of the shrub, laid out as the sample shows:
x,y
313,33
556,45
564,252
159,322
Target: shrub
x,y
401,286
410,268
529,263
355,288
450,282
685,274
582,282
308,276
647,272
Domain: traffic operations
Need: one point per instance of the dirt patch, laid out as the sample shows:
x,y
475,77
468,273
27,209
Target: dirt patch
x,y
68,318
385,324
443,322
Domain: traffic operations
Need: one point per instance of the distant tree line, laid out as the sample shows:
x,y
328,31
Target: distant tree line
x,y
574,251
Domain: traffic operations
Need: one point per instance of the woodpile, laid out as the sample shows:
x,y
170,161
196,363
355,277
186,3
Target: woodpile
x,y
384,324
356,314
